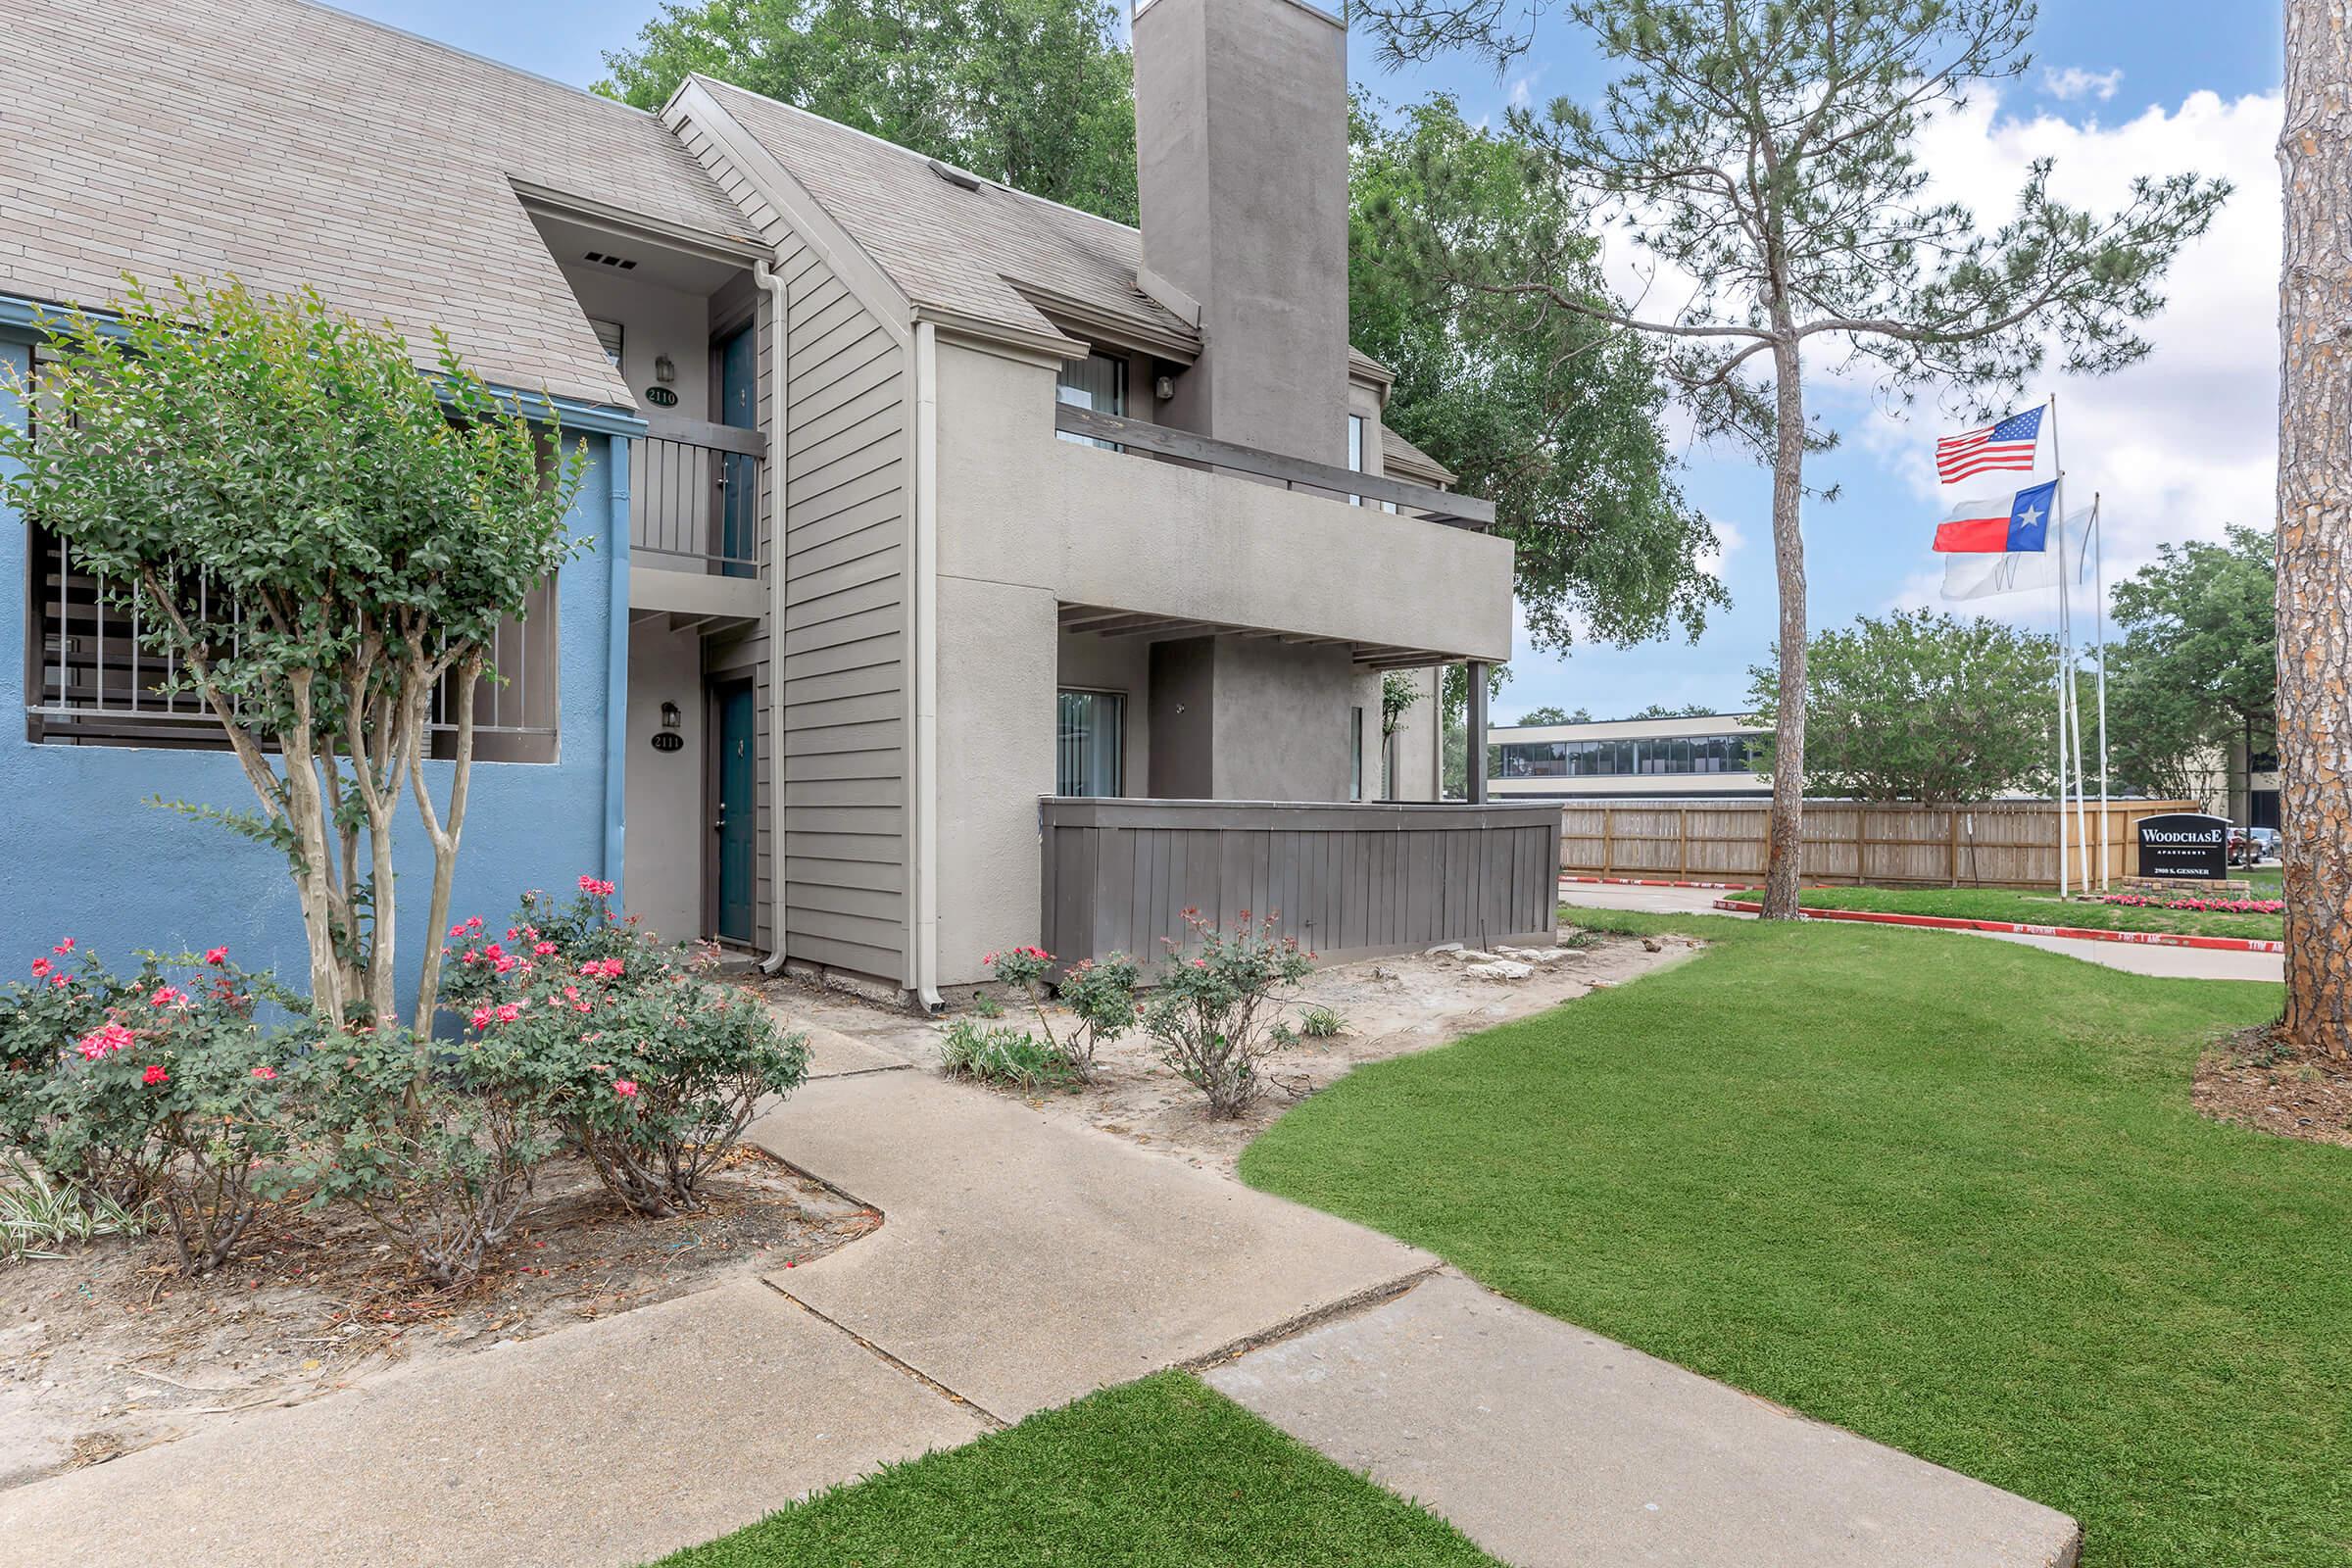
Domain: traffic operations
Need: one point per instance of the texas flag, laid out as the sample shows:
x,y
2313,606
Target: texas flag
x,y
1999,525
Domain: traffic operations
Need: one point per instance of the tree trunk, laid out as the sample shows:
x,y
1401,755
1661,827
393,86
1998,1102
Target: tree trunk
x,y
444,837
2315,525
1786,832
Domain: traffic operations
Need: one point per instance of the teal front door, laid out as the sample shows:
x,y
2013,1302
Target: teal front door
x,y
737,753
739,475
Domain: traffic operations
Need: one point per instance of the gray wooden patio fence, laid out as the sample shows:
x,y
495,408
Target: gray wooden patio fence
x,y
1348,880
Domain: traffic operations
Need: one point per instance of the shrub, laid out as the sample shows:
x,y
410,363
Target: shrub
x,y
1207,1013
651,1072
1011,1056
159,1088
1100,994
436,1146
1321,1023
37,1215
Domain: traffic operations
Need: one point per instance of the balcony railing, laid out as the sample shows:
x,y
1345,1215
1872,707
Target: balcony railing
x,y
1349,879
1292,473
694,500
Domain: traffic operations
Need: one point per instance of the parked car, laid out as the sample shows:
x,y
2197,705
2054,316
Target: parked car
x,y
2265,844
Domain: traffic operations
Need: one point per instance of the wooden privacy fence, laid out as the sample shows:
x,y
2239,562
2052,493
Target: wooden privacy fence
x,y
1989,844
1348,880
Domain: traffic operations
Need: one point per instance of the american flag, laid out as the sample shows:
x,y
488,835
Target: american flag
x,y
2010,444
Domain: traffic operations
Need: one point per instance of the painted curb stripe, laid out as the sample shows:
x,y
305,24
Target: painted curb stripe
x,y
1644,882
1938,922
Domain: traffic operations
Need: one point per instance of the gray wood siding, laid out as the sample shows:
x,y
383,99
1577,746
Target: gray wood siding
x,y
838,835
1348,880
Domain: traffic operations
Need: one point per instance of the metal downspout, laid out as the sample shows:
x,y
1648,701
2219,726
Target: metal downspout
x,y
765,276
616,660
926,781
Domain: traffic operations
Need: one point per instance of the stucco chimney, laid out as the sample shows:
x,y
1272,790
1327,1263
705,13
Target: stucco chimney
x,y
1241,118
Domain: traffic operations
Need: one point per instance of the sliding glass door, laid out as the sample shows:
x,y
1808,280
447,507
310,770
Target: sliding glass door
x,y
1087,747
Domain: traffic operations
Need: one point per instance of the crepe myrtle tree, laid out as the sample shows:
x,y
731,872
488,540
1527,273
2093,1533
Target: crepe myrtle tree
x,y
1763,154
318,534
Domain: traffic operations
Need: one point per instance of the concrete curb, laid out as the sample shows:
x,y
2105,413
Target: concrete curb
x,y
1938,922
1645,882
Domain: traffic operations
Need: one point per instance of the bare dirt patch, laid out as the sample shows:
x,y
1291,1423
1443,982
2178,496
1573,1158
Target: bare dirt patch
x,y
2257,1079
1392,1007
106,1351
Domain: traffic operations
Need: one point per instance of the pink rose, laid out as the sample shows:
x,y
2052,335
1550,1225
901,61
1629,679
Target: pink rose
x,y
65,946
265,1074
154,1075
104,1041
545,950
167,996
509,1011
481,1017
215,955
40,967
626,1088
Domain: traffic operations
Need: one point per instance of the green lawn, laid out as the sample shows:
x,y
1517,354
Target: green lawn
x,y
1948,1193
1161,1472
2040,908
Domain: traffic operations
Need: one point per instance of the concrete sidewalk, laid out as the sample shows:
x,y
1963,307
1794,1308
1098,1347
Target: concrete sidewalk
x,y
2187,964
1024,1260
1114,1261
613,1442
1553,1448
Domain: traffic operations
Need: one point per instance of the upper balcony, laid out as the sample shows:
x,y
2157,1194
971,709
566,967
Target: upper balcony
x,y
694,521
1324,479
1180,534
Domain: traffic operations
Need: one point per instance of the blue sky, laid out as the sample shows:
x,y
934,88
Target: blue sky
x,y
2178,445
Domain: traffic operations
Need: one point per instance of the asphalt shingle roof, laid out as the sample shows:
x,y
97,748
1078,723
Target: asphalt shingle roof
x,y
954,248
289,144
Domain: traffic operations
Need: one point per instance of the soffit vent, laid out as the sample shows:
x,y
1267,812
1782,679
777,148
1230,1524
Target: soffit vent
x,y
603,260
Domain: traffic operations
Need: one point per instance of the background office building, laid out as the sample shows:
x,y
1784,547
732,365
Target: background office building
x,y
1714,755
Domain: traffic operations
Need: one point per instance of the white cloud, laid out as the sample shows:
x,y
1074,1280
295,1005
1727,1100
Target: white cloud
x,y
1729,541
2187,440
1523,87
2075,82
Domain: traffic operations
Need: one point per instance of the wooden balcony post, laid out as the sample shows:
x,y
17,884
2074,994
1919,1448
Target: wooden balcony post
x,y
1474,772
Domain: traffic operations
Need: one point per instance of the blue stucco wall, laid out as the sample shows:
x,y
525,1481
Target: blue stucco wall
x,y
81,855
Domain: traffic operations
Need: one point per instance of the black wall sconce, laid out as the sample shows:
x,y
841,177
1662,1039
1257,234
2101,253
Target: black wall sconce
x,y
668,738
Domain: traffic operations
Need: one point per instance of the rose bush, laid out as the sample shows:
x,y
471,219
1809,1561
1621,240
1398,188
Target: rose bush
x,y
651,1071
1100,994
1208,1012
435,1145
158,1088
162,1089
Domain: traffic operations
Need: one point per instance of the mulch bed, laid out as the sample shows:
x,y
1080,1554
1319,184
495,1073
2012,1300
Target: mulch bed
x,y
2257,1079
107,1351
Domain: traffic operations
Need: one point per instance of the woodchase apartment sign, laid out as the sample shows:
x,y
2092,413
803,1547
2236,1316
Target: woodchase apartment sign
x,y
2186,843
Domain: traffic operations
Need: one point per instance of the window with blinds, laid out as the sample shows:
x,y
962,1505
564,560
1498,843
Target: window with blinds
x,y
92,678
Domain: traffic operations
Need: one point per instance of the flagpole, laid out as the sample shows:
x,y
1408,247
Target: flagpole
x,y
2058,498
2098,556
2074,683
